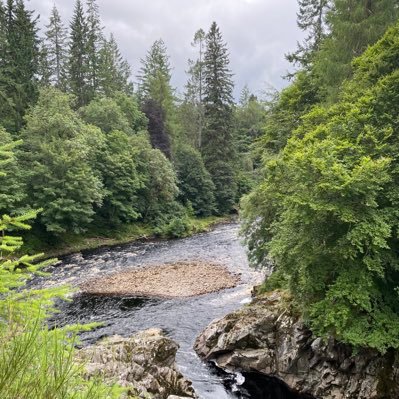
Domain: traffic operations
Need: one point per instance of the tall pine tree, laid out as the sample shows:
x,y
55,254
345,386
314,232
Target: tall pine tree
x,y
56,49
94,40
156,93
311,19
19,59
353,25
218,147
192,108
78,56
113,71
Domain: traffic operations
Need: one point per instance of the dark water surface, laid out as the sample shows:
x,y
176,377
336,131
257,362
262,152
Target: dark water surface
x,y
181,319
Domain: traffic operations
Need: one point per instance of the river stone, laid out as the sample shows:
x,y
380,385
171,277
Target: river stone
x,y
266,336
144,363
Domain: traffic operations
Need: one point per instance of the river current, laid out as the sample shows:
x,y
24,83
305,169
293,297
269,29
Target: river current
x,y
180,319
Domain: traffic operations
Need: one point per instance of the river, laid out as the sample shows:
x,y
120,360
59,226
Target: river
x,y
181,319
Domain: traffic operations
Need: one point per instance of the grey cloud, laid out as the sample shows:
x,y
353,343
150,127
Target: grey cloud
x,y
258,32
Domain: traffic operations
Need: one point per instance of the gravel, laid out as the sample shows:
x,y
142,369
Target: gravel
x,y
171,280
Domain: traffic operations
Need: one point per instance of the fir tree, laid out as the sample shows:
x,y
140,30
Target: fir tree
x,y
19,63
155,75
353,26
192,108
311,19
156,95
218,142
94,40
114,72
78,57
56,49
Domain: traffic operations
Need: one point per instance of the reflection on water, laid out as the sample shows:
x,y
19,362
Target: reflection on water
x,y
181,319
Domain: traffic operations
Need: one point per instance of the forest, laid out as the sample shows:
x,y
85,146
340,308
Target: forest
x,y
311,170
95,153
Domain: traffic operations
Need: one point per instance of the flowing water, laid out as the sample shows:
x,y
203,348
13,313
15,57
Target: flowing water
x,y
181,319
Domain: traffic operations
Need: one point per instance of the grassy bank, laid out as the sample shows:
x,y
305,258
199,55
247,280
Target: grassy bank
x,y
102,236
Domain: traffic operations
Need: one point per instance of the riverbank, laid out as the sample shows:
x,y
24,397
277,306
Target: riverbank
x,y
100,237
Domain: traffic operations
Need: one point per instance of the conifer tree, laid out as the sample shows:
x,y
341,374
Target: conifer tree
x,y
156,95
56,49
78,57
156,127
155,75
311,19
19,63
353,26
218,138
113,71
94,40
192,109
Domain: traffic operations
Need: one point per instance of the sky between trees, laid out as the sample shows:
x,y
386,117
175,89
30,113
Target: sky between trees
x,y
258,33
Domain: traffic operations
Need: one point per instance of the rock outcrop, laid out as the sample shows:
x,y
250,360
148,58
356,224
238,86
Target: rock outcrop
x,y
266,337
144,363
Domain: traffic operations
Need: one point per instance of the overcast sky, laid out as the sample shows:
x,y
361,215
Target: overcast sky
x,y
258,33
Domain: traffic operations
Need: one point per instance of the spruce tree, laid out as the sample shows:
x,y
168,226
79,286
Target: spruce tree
x,y
156,94
56,49
218,138
19,63
94,40
78,57
192,109
113,71
155,75
310,19
353,26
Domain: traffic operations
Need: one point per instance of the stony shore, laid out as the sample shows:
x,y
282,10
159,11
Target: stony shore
x,y
171,280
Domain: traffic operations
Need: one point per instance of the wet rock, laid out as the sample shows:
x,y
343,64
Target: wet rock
x,y
144,363
267,337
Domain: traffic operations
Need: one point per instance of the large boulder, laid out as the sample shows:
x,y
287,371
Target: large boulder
x,y
266,336
144,363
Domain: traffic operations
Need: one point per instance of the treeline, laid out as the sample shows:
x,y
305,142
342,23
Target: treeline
x,y
97,150
326,211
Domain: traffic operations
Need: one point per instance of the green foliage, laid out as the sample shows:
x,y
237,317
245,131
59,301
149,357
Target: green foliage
x,y
113,71
326,211
191,111
195,183
155,75
78,56
106,114
56,50
354,26
18,63
179,226
120,179
58,153
311,19
12,190
285,111
218,147
94,39
35,362
157,97
249,120
130,107
158,194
